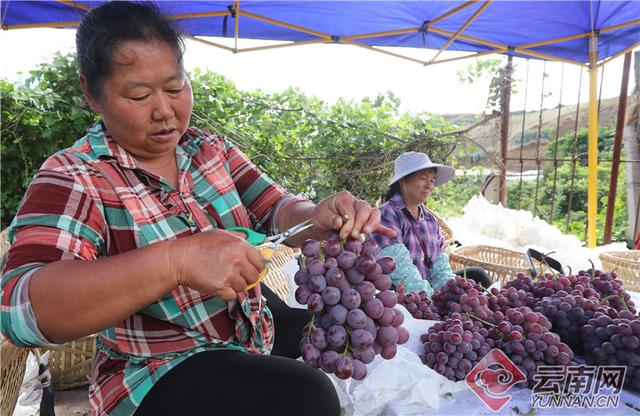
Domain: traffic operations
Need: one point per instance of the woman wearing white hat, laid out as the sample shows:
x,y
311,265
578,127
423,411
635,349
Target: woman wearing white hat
x,y
418,246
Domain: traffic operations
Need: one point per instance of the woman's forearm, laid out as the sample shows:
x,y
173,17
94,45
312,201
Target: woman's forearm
x,y
74,298
294,214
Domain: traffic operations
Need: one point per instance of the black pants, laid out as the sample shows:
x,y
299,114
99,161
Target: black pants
x,y
477,274
235,383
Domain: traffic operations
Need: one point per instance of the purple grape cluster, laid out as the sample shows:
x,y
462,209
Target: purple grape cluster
x,y
548,284
567,314
461,295
509,297
590,284
525,337
346,288
418,304
453,347
521,282
613,338
610,289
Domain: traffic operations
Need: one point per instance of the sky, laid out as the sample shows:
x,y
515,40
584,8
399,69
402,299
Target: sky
x,y
336,71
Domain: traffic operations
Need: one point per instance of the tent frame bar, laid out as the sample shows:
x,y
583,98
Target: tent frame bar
x,y
208,42
453,11
474,55
579,35
619,54
52,25
74,4
284,24
546,57
462,29
285,45
373,48
236,8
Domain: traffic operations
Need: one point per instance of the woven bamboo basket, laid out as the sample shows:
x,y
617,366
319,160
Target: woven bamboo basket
x,y
13,361
275,278
4,241
626,264
502,264
70,364
446,231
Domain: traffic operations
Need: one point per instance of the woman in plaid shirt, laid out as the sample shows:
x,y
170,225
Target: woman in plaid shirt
x,y
123,234
418,246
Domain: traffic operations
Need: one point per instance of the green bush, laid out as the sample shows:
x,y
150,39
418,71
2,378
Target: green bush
x,y
40,116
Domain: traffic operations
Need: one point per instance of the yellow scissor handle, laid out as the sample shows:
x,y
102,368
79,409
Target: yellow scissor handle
x,y
267,253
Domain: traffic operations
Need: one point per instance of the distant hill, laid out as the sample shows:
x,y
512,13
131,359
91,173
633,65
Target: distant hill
x,y
488,135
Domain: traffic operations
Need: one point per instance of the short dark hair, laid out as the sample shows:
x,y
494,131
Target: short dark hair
x,y
393,189
105,27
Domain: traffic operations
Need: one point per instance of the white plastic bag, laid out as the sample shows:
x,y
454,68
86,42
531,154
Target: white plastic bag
x,y
289,269
30,393
400,386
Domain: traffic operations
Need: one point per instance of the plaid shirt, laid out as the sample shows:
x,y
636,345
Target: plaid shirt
x,y
93,200
395,215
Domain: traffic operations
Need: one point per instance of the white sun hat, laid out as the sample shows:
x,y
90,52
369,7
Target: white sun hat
x,y
410,162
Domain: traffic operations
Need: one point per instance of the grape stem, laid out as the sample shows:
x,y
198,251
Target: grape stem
x,y
610,298
312,325
593,268
322,255
544,261
481,320
346,347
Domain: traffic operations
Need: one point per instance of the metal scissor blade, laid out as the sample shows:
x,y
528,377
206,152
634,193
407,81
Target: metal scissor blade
x,y
268,250
280,238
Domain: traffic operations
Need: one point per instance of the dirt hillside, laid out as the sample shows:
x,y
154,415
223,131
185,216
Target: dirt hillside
x,y
533,131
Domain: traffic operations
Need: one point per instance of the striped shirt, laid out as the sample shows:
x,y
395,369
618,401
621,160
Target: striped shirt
x,y
94,200
395,215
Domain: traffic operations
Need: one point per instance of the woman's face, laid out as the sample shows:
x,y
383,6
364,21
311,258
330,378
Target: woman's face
x,y
417,187
146,101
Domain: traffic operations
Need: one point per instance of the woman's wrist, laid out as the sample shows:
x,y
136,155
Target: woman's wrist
x,y
174,261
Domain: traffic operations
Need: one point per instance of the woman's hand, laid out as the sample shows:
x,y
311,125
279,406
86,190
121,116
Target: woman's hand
x,y
220,263
351,216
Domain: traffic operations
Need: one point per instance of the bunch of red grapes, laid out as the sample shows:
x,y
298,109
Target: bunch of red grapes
x,y
346,288
418,304
461,295
534,321
612,338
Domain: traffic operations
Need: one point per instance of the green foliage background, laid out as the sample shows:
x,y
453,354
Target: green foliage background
x,y
303,143
553,201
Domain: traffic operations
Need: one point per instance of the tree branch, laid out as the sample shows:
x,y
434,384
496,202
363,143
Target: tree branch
x,y
475,125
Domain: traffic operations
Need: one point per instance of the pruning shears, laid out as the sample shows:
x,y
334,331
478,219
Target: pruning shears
x,y
268,244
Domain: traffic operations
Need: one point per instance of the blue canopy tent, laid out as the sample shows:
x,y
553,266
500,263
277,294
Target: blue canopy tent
x,y
584,33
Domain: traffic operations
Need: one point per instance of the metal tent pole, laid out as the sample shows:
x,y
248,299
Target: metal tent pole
x,y
617,148
505,92
592,192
